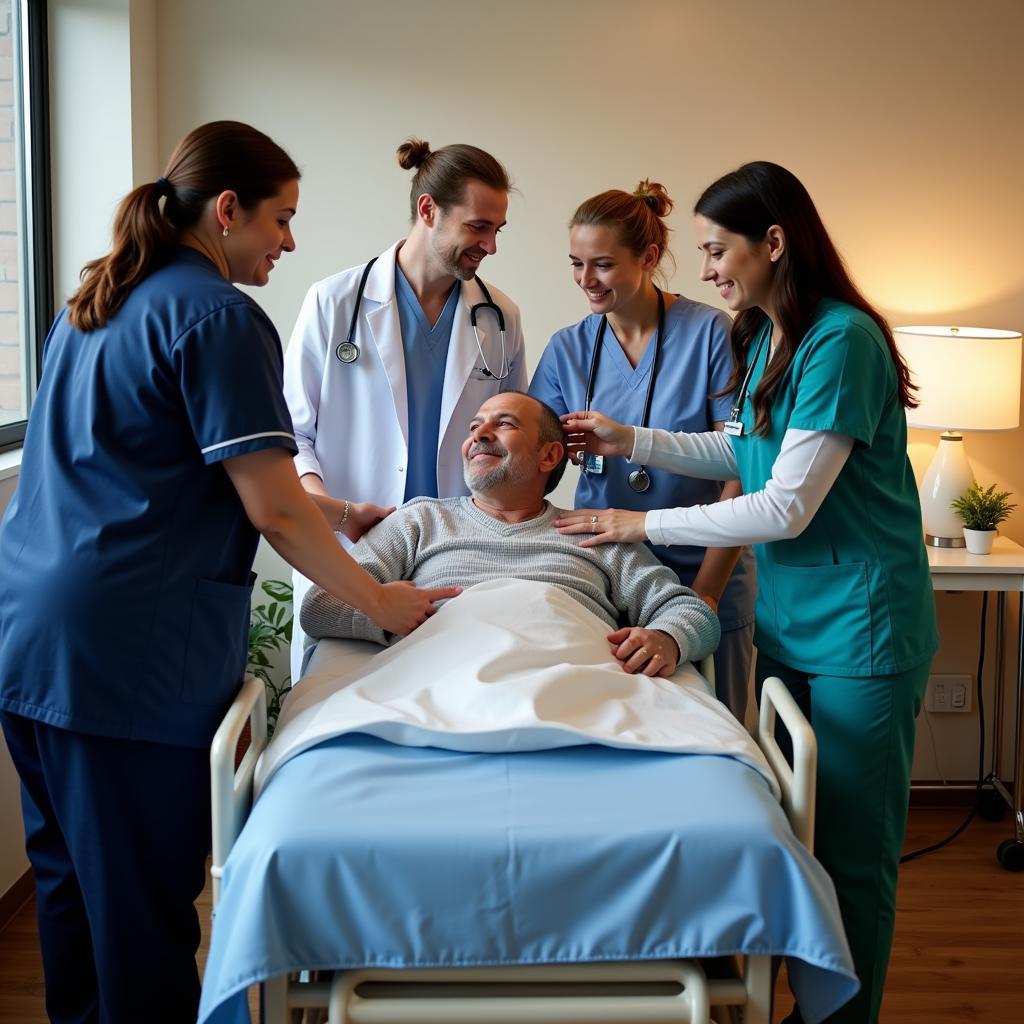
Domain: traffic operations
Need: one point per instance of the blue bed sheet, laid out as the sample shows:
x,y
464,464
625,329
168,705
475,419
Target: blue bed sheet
x,y
361,853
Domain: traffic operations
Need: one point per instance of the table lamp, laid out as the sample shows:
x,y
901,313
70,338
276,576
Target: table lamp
x,y
968,378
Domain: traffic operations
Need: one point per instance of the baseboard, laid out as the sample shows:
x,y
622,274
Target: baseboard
x,y
15,898
936,793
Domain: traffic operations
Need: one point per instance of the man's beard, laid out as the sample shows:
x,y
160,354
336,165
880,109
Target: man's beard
x,y
505,472
448,260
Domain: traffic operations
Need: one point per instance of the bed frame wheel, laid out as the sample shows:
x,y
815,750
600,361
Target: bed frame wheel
x,y
1011,854
991,806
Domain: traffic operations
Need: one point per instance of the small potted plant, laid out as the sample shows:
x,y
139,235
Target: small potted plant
x,y
982,509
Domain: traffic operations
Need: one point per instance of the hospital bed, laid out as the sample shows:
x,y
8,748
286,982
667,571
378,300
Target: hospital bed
x,y
387,980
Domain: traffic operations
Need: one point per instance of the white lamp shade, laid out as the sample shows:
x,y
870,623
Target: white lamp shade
x,y
968,378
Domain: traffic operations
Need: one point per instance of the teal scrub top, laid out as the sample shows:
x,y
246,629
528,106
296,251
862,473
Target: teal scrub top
x,y
852,595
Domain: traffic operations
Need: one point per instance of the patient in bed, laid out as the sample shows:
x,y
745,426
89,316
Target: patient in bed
x,y
514,455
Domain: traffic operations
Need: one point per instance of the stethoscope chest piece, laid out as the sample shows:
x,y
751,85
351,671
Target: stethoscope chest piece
x,y
348,351
639,480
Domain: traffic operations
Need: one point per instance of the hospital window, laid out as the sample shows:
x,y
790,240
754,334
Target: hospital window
x,y
26,274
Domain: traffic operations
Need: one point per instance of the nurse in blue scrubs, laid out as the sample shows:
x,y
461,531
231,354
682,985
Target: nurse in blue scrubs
x,y
646,355
158,448
818,438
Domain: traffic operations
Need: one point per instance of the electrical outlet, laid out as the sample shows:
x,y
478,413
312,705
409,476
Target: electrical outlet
x,y
948,693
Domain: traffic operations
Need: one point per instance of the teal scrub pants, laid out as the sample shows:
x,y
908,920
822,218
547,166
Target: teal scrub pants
x,y
865,731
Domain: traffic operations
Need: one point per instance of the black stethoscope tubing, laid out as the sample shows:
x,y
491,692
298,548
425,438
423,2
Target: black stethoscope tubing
x,y
348,350
639,480
741,395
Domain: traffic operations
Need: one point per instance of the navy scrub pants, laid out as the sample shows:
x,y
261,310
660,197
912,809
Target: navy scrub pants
x,y
117,832
865,730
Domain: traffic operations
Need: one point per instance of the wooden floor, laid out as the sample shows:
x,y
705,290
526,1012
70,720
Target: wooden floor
x,y
958,956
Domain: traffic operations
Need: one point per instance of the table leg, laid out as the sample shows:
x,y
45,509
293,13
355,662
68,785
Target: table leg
x,y
999,690
1018,741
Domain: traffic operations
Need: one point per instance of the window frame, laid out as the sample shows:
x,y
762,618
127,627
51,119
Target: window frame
x,y
36,221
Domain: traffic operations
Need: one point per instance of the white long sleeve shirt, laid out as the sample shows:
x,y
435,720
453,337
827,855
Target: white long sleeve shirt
x,y
807,466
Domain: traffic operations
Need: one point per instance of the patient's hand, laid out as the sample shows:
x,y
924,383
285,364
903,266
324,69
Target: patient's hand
x,y
362,516
649,651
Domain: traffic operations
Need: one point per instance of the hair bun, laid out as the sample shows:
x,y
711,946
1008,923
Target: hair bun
x,y
654,195
412,153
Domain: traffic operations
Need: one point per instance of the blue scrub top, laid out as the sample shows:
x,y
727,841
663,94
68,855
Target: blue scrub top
x,y
852,594
426,356
695,362
125,553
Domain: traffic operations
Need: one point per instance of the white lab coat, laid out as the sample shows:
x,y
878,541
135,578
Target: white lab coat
x,y
351,420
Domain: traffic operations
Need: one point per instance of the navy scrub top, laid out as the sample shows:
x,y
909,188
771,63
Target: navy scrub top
x,y
125,554
695,362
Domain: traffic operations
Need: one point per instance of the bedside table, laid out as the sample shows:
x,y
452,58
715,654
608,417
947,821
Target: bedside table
x,y
1001,573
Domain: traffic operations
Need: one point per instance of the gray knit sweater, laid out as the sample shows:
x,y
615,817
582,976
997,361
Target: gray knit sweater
x,y
449,542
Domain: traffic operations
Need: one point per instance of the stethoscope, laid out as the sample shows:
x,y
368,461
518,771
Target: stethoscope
x,y
733,426
639,480
348,350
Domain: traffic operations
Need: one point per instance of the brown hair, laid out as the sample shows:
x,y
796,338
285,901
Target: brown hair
x,y
637,216
549,429
748,201
213,158
442,174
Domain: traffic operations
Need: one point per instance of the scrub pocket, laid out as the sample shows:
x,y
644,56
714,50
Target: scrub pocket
x,y
823,614
218,642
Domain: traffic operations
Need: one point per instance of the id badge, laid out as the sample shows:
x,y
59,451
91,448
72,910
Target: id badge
x,y
592,463
734,428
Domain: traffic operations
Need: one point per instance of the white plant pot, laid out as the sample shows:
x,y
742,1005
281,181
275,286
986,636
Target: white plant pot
x,y
979,542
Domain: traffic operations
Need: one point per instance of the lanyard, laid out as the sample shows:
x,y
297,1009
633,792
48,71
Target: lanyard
x,y
733,426
639,479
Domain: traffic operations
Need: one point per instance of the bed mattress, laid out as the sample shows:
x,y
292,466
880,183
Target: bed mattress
x,y
361,853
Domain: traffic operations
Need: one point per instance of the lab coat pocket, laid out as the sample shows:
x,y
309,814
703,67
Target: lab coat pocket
x,y
823,614
218,642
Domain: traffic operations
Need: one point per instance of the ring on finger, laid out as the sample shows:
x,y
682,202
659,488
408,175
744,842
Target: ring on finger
x,y
593,520
643,651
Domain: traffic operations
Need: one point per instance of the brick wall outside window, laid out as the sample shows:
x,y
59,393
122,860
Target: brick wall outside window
x,y
11,348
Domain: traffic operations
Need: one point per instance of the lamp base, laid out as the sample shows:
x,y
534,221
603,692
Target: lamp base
x,y
944,542
948,476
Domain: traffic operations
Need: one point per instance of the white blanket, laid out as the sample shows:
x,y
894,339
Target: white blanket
x,y
508,666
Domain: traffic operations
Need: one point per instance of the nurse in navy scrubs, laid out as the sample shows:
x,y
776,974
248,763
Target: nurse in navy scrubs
x,y
647,355
158,448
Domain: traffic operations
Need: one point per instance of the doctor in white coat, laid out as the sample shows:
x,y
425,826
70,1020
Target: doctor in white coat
x,y
385,367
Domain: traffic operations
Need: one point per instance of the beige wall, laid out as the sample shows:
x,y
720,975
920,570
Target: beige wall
x,y
903,119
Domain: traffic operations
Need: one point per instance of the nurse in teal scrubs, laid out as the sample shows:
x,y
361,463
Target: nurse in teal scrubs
x,y
817,437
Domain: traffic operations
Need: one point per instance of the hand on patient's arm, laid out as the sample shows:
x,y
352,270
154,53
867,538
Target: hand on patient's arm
x,y
612,525
360,517
649,651
279,507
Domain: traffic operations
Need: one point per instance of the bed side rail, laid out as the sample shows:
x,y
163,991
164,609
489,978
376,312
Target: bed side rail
x,y
798,783
231,788
706,667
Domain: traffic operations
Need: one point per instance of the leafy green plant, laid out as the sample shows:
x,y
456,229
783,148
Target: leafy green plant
x,y
983,508
270,629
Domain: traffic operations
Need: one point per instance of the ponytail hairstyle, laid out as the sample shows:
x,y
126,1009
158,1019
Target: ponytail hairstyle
x,y
637,217
213,158
747,202
442,174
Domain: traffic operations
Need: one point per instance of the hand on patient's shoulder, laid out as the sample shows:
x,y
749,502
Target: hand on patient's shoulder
x,y
608,525
651,652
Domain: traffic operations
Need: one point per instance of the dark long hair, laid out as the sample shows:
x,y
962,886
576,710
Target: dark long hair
x,y
213,158
747,202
